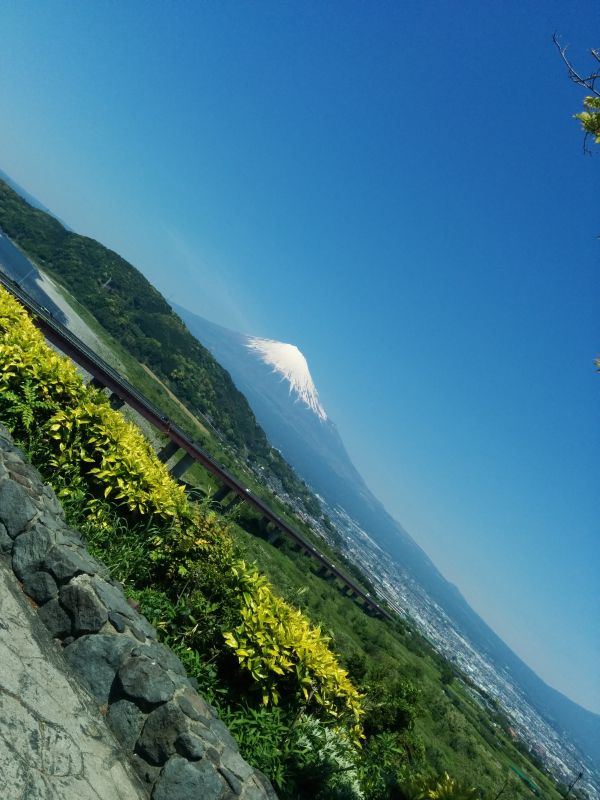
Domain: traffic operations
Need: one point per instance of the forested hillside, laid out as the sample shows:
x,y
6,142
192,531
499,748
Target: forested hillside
x,y
136,314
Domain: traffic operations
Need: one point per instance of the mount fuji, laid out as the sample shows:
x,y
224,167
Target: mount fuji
x,y
276,380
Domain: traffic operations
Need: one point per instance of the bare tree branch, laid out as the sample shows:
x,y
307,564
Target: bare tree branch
x,y
590,81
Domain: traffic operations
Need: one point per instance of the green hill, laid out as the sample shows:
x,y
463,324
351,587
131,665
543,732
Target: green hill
x,y
136,315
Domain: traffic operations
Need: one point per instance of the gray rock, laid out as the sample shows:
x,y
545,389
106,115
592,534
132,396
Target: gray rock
x,y
72,536
54,742
126,721
40,586
265,785
234,783
221,730
118,621
213,755
113,598
180,749
180,780
30,550
258,788
86,610
56,619
146,771
96,659
195,707
205,733
122,624
24,470
232,760
158,652
139,635
16,508
146,680
52,503
65,561
6,543
51,521
190,746
149,632
162,729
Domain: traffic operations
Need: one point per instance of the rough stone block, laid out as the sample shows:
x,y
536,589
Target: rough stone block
x,y
118,621
146,771
265,785
96,659
65,561
195,707
6,441
113,598
30,550
156,651
16,508
234,783
52,503
232,760
258,788
190,746
82,603
221,730
205,733
180,780
162,729
146,681
6,543
40,586
126,721
17,467
56,619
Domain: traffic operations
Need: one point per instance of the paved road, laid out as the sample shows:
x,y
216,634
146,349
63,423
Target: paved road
x,y
54,742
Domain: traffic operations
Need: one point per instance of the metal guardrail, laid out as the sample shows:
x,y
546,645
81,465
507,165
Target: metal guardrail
x,y
78,351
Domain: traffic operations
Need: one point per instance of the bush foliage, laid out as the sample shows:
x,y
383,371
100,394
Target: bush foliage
x,y
106,457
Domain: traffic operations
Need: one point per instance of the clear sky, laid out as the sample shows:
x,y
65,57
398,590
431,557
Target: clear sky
x,y
399,189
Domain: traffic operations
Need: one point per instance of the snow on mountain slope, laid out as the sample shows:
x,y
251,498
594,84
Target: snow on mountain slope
x,y
291,364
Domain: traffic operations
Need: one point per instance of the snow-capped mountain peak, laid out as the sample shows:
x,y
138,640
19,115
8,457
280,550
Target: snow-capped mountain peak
x,y
291,364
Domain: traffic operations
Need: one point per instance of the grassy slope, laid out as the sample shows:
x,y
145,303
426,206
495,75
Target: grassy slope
x,y
460,736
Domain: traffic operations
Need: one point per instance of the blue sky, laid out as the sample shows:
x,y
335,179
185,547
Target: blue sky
x,y
398,189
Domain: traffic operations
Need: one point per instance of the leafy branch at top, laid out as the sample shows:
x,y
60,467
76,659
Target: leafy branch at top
x,y
590,118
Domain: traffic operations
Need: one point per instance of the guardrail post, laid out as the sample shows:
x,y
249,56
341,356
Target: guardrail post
x,y
236,499
116,402
97,383
182,465
167,451
221,494
273,536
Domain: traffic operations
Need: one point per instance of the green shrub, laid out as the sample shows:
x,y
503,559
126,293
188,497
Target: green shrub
x,y
287,657
177,557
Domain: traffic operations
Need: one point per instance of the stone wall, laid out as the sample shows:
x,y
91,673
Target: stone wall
x,y
180,749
